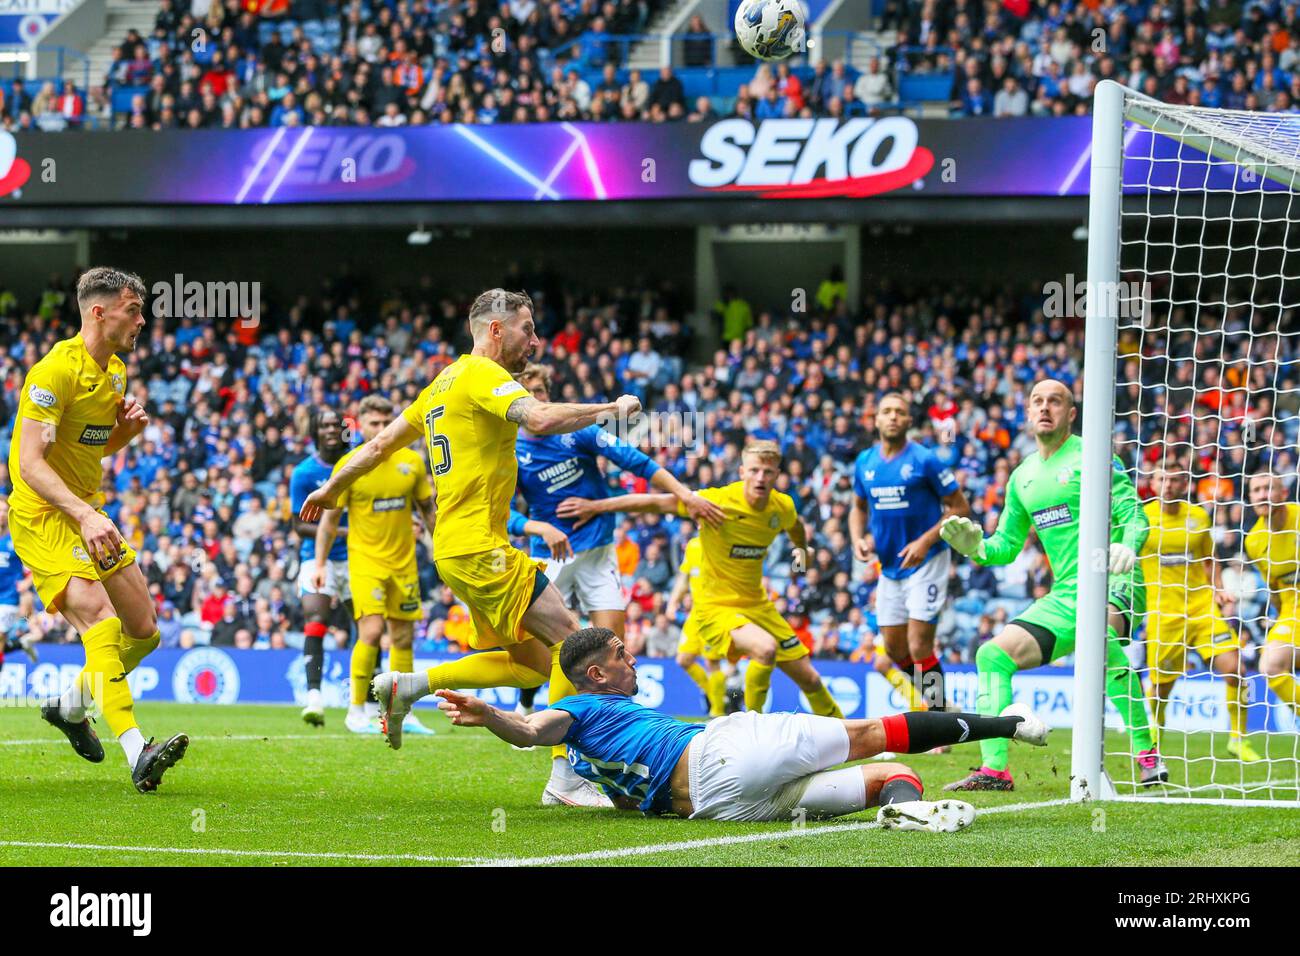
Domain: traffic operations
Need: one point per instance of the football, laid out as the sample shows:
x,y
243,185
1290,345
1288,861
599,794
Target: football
x,y
771,29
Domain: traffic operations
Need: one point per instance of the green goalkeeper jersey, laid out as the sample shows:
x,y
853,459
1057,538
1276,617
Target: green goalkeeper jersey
x,y
1044,494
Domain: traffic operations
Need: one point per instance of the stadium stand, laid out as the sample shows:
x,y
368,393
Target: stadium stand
x,y
318,62
204,498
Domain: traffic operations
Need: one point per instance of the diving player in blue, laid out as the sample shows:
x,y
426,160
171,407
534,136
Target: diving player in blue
x,y
748,766
555,467
312,472
908,493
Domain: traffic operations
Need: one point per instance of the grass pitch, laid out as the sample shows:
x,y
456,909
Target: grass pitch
x,y
258,787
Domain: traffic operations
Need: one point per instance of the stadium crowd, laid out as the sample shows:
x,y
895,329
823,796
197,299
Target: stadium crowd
x,y
203,496
414,62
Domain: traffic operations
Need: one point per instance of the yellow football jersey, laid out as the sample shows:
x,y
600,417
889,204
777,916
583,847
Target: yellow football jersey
x,y
380,504
732,556
1277,555
690,567
471,453
1173,557
70,392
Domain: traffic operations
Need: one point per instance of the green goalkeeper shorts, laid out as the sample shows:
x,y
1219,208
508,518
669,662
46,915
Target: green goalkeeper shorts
x,y
1058,612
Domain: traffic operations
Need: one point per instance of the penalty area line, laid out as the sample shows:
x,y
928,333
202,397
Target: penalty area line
x,y
223,851
709,842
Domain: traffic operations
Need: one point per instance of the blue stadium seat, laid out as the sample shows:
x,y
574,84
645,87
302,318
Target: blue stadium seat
x,y
924,86
121,98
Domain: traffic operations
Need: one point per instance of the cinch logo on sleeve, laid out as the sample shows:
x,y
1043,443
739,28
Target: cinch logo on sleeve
x,y
1052,517
748,552
388,504
96,435
132,910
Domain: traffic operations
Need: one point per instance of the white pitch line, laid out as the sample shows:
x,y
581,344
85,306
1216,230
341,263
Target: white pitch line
x,y
767,836
220,851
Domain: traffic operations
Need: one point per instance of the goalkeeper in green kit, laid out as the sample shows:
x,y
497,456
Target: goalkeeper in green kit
x,y
1044,492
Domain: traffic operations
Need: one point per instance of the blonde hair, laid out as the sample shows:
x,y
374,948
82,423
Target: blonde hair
x,y
763,449
533,370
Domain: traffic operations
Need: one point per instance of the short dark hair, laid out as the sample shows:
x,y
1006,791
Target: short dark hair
x,y
579,650
106,282
318,416
498,302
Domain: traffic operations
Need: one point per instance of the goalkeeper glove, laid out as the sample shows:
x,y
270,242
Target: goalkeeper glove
x,y
1122,558
964,535
798,561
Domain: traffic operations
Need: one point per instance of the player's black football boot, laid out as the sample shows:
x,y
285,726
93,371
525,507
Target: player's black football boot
x,y
982,779
155,760
81,735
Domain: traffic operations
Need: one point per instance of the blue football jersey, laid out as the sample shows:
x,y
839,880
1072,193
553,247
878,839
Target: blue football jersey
x,y
626,748
310,474
903,497
555,467
11,571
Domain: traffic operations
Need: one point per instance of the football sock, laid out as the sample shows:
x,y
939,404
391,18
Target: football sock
x,y
717,693
561,687
915,733
1236,695
906,689
313,652
401,659
833,793
1158,707
1284,685
758,678
485,669
134,651
1124,688
933,691
823,704
995,668
901,788
72,703
132,742
528,696
104,678
698,674
363,668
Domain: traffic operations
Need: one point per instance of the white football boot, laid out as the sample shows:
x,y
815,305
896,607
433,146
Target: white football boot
x,y
359,722
411,725
392,708
935,816
566,788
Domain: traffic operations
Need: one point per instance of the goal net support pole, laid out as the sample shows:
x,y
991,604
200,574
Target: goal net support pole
x,y
1087,781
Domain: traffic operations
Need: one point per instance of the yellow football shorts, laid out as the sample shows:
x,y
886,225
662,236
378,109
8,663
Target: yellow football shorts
x,y
1169,636
1285,630
692,644
497,587
716,623
395,595
49,544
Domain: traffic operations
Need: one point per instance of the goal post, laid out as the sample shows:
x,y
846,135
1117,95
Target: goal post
x,y
1193,290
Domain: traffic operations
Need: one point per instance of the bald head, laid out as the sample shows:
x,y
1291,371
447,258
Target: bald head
x,y
1051,412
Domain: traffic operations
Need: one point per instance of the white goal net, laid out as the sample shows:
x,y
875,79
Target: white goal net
x,y
1206,419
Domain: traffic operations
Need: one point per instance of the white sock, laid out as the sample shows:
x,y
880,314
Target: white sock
x,y
71,705
132,744
833,793
411,687
371,708
314,699
562,773
356,710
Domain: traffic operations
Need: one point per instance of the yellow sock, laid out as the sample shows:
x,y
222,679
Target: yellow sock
x,y
698,674
486,669
823,704
717,692
104,677
906,689
1284,686
1158,707
758,678
1237,708
363,669
134,651
561,687
401,659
